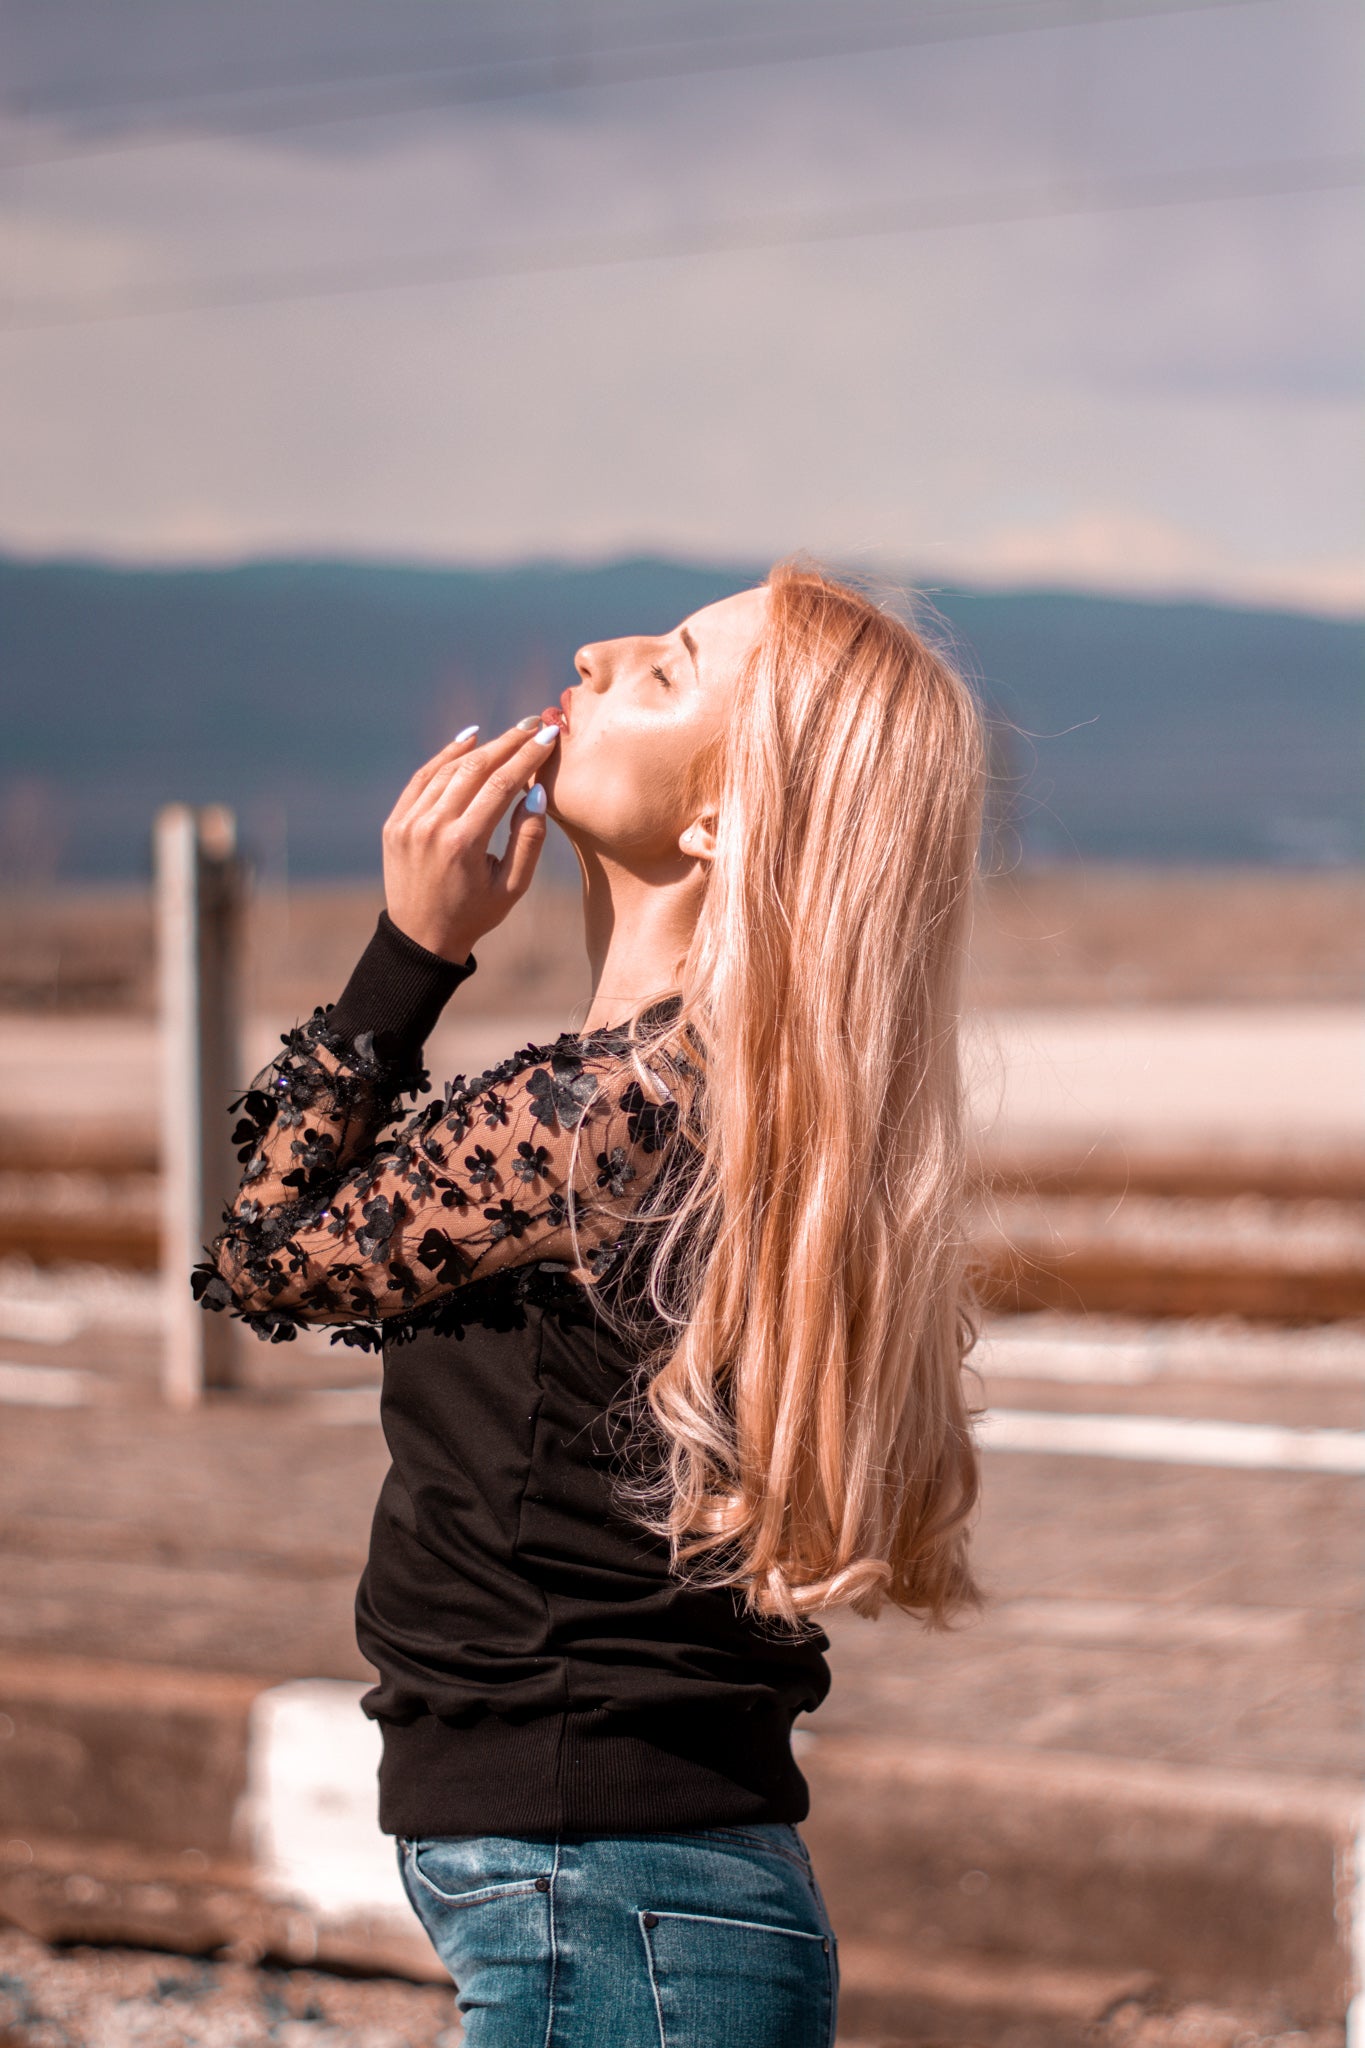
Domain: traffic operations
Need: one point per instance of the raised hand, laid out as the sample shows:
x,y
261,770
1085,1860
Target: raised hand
x,y
442,885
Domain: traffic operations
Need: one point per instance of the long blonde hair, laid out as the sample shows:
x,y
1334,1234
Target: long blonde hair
x,y
812,1435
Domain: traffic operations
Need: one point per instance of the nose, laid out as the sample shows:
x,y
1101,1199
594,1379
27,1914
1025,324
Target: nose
x,y
591,665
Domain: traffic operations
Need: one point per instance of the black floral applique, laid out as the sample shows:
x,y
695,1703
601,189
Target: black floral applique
x,y
531,1162
604,1258
494,1109
421,1178
648,1124
440,1254
337,1221
350,1216
562,1093
402,1277
481,1166
382,1218
614,1170
315,1154
508,1220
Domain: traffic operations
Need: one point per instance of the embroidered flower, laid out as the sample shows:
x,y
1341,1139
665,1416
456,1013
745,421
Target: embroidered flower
x,y
337,1188
494,1107
482,1165
508,1221
532,1162
381,1220
614,1170
442,1256
648,1123
562,1094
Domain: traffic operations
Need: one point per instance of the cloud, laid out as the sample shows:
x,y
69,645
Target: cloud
x,y
1129,396
1111,549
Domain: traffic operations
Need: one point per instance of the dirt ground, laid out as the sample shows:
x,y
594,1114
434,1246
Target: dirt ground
x,y
1197,1618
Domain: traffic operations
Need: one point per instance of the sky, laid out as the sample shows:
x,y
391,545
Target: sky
x,y
1002,291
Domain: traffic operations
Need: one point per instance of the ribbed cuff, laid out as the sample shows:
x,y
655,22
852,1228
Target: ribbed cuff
x,y
398,991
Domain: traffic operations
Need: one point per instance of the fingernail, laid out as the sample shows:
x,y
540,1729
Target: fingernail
x,y
528,724
534,800
467,734
547,736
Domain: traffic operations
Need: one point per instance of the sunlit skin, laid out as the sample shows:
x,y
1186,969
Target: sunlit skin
x,y
642,709
615,781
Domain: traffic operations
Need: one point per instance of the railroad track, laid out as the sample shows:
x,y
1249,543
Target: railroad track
x,y
1114,1251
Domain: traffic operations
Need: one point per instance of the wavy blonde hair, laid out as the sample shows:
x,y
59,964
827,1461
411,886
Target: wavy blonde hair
x,y
807,1409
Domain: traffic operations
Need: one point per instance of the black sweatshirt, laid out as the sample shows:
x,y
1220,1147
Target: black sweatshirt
x,y
541,1668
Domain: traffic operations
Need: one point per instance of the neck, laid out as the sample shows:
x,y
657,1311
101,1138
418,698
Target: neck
x,y
638,929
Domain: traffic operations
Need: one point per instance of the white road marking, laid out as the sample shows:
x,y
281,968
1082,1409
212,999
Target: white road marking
x,y
1161,1439
53,1304
1190,1073
1151,1623
1121,1351
43,1386
42,1322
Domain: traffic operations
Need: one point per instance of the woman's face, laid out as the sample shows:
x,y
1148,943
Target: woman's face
x,y
634,723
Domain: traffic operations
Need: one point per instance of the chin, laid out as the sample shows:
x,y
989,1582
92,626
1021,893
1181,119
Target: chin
x,y
560,797
552,810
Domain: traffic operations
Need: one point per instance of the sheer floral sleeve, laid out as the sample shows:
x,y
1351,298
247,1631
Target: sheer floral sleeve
x,y
352,1214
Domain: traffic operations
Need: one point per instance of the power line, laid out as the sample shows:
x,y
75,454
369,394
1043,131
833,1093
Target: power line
x,y
538,75
1229,182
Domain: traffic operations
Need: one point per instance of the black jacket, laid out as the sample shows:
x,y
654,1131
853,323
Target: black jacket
x,y
540,1667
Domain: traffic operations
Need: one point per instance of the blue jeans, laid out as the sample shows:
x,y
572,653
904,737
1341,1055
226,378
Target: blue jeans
x,y
714,1938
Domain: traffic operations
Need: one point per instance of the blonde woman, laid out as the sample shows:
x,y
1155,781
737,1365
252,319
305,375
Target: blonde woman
x,y
671,1310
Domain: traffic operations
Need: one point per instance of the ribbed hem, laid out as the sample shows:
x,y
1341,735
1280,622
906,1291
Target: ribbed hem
x,y
598,1772
397,991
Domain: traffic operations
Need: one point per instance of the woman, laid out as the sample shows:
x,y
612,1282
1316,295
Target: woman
x,y
671,1310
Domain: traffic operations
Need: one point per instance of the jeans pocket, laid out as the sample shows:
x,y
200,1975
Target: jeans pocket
x,y
472,1871
748,1983
486,1907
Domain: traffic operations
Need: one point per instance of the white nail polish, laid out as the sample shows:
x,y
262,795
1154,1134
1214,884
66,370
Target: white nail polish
x,y
547,736
467,734
534,800
528,724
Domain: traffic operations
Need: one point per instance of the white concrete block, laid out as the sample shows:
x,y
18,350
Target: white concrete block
x,y
312,1803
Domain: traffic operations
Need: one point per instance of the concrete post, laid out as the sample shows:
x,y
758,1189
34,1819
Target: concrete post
x,y
199,890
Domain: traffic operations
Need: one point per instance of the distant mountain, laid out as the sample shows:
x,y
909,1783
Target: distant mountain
x,y
303,693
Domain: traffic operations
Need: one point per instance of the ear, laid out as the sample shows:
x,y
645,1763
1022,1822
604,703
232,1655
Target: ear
x,y
698,839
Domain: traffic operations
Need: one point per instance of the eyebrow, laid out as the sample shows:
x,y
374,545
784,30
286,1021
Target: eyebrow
x,y
690,644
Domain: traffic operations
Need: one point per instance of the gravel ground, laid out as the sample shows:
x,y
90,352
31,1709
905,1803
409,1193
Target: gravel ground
x,y
1202,2026
130,1998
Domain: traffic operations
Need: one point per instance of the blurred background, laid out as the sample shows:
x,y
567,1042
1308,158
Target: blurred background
x,y
360,362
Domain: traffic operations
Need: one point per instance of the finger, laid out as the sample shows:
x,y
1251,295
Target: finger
x,y
488,804
527,835
466,771
456,750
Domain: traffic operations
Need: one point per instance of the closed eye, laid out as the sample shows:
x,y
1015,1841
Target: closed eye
x,y
657,671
